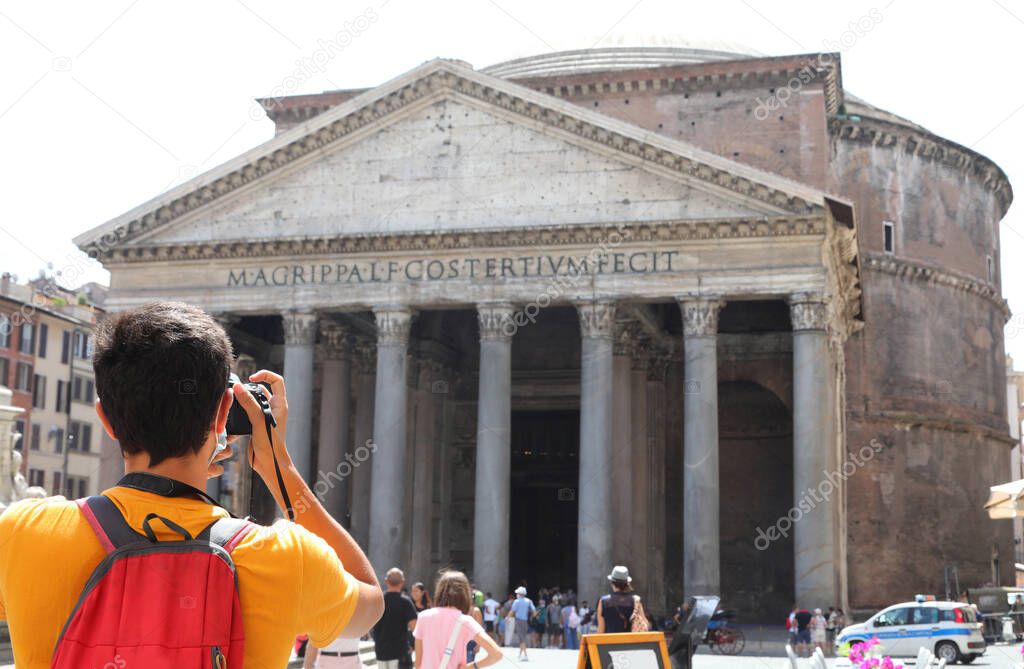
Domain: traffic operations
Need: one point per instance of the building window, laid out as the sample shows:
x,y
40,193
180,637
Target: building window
x,y
19,427
90,391
888,236
76,392
60,395
27,343
39,391
56,483
5,331
83,346
36,477
5,369
991,265
80,438
83,487
33,440
23,377
65,347
44,331
58,436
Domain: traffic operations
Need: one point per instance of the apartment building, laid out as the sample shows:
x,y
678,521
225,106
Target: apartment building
x,y
46,359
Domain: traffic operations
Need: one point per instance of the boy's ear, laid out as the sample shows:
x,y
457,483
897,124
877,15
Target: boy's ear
x,y
103,419
223,409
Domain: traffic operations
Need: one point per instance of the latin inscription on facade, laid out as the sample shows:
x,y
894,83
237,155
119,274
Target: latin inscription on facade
x,y
433,269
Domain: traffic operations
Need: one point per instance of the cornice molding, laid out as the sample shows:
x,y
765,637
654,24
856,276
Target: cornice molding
x,y
546,236
430,82
905,420
933,274
644,80
929,147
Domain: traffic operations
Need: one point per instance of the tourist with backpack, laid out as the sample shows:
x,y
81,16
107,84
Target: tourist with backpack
x,y
152,573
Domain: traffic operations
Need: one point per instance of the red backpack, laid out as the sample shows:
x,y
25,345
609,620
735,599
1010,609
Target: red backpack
x,y
156,604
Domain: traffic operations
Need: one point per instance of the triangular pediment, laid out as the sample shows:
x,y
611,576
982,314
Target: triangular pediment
x,y
447,148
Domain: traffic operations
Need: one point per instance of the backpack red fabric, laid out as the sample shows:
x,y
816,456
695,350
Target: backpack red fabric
x,y
156,604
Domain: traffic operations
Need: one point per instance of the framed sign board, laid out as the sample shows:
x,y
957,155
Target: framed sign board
x,y
640,650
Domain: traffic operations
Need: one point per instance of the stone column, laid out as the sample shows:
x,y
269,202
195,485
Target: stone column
x,y
701,565
335,471
365,385
594,492
299,338
813,455
622,440
639,468
493,449
388,491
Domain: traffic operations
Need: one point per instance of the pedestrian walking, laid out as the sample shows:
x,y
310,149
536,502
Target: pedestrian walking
x,y
818,634
508,621
803,632
522,610
420,597
491,609
570,625
622,610
553,620
443,632
391,633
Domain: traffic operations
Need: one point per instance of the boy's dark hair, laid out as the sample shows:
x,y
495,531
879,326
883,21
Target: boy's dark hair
x,y
161,370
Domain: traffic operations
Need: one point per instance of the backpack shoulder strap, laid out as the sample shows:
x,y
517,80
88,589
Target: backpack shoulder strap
x,y
227,532
106,521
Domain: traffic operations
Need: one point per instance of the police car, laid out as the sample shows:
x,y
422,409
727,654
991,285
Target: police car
x,y
948,629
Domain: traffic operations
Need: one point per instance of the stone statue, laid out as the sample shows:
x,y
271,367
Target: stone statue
x,y
13,485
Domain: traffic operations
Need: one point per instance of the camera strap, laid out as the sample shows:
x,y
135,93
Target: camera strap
x,y
271,423
163,486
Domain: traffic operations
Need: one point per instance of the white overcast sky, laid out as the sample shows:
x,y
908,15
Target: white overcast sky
x,y
105,104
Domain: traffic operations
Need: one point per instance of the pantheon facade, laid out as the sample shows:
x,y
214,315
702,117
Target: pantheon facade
x,y
701,313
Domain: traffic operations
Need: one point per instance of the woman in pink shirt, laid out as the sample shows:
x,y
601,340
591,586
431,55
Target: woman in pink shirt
x,y
443,632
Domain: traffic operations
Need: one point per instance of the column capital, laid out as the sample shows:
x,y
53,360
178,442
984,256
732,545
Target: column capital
x,y
299,327
625,338
597,318
365,355
700,315
335,341
393,325
496,322
808,311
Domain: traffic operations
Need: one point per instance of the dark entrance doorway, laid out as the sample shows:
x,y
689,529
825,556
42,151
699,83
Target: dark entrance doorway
x,y
545,471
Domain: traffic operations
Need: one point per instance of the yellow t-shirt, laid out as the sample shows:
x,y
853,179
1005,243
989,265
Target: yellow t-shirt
x,y
290,581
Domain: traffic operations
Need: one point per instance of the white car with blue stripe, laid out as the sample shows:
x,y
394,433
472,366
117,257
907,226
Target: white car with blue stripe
x,y
948,629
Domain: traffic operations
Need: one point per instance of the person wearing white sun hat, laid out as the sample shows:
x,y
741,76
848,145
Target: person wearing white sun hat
x,y
621,611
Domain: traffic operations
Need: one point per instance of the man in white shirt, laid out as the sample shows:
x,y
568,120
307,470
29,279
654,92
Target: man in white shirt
x,y
491,607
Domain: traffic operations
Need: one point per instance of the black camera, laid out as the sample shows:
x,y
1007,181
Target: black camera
x,y
238,420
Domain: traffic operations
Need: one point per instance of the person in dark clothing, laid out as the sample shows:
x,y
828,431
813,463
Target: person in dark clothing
x,y
391,633
615,611
803,632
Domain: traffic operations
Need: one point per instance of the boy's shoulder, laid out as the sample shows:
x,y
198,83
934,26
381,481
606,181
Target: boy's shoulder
x,y
52,517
